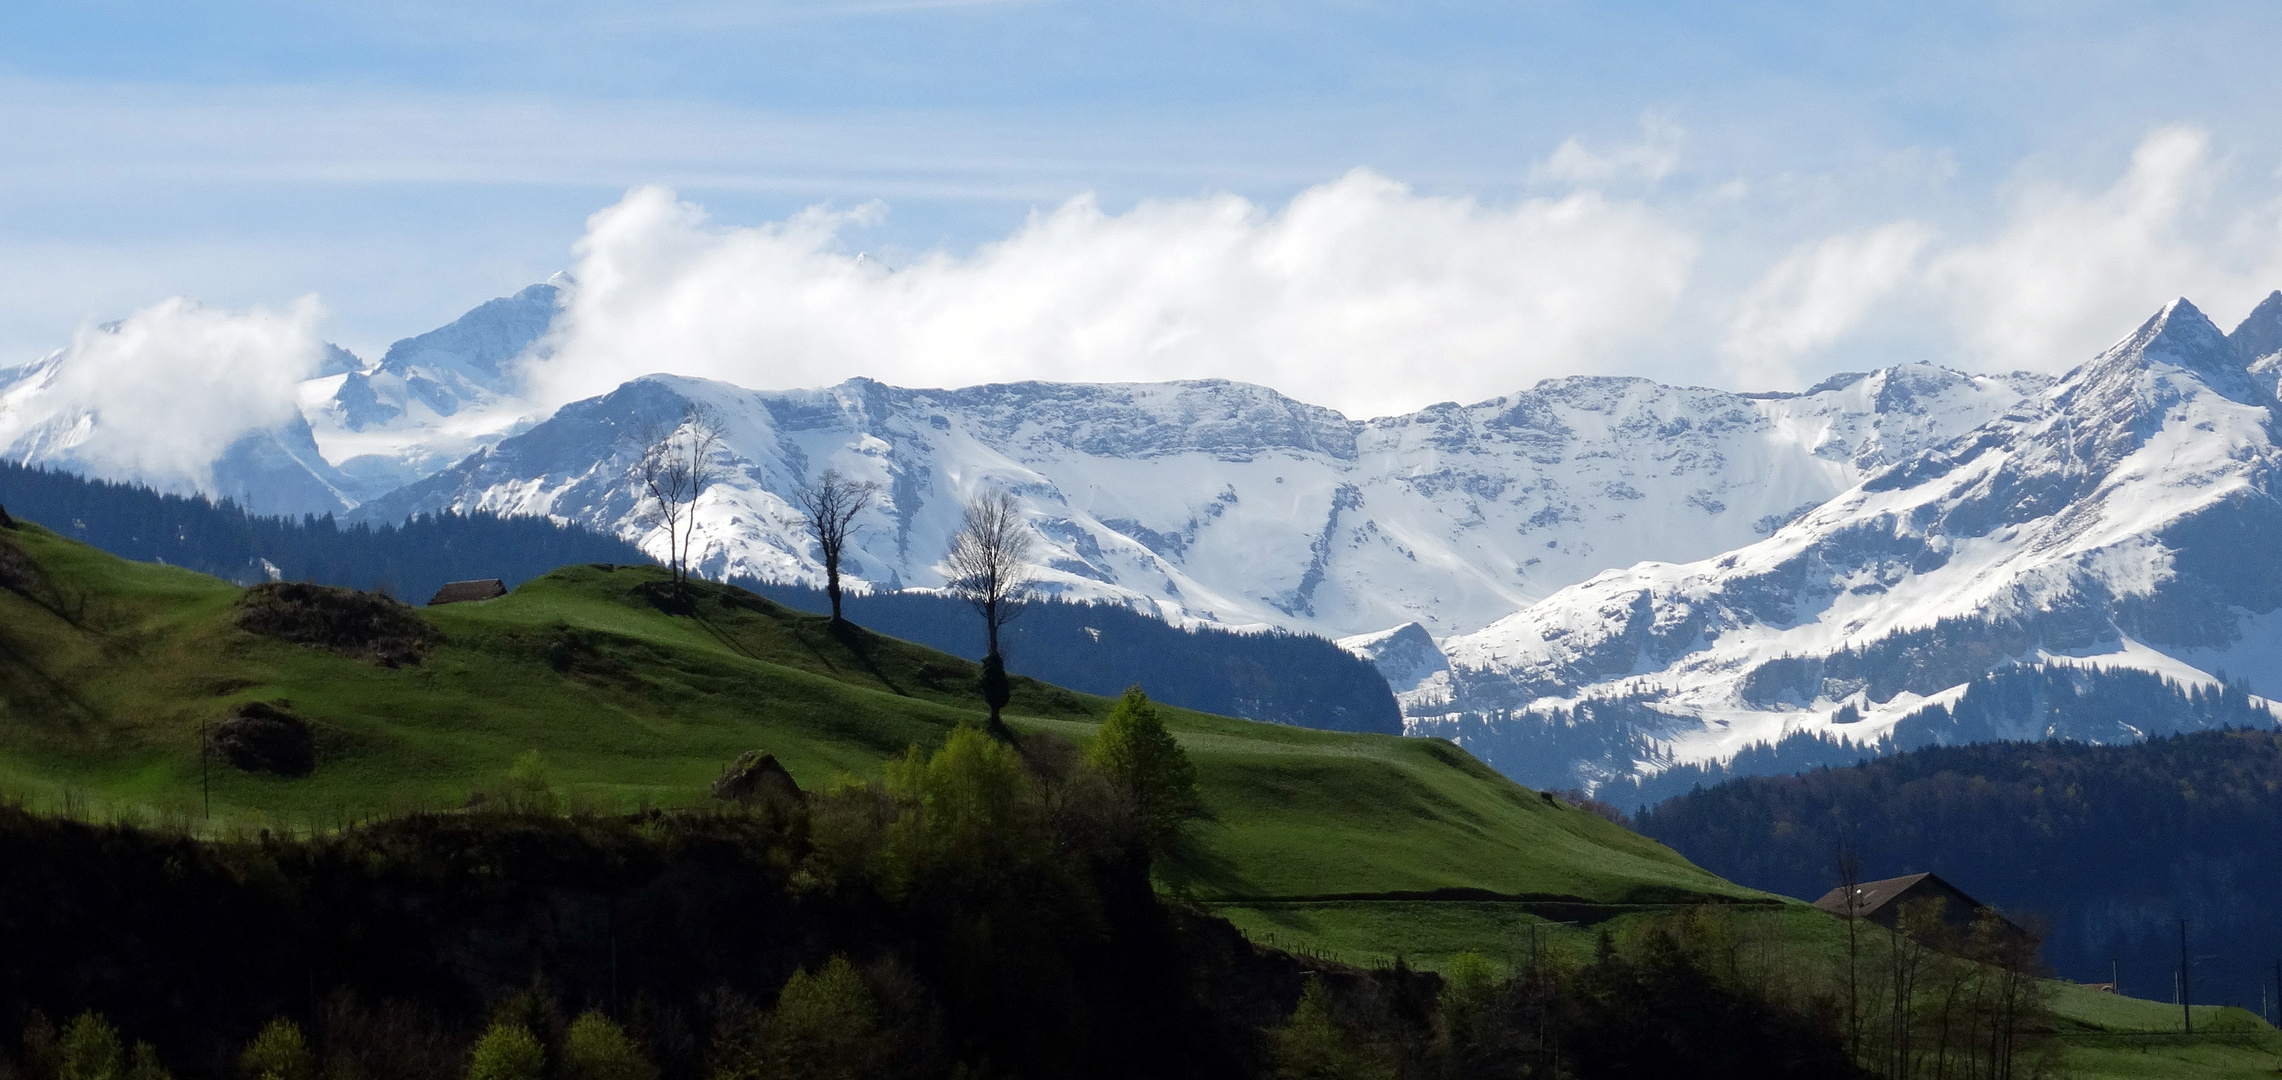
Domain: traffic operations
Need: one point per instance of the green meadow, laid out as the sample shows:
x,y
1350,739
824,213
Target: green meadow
x,y
1361,848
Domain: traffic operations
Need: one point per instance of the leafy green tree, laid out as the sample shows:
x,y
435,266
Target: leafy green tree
x,y
91,1050
531,784
507,1052
825,1026
146,1064
1312,1045
967,805
1136,752
596,1048
43,1050
278,1052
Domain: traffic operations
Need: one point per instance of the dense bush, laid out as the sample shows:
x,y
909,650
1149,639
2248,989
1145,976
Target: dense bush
x,y
361,624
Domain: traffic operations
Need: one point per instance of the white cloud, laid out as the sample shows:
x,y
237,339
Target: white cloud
x,y
1815,295
1651,159
160,394
2070,271
1359,294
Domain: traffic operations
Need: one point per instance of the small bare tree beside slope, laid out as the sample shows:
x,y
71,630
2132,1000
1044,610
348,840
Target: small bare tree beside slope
x,y
989,567
830,505
676,466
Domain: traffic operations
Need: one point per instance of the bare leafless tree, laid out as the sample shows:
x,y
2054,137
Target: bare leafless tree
x,y
989,564
677,465
830,504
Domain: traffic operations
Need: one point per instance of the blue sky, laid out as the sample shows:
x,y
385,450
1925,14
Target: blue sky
x,y
404,161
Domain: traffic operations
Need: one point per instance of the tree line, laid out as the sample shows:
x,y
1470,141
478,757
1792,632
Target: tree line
x,y
410,559
2111,845
984,908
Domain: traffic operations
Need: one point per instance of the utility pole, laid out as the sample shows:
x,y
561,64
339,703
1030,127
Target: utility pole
x,y
2116,979
2186,996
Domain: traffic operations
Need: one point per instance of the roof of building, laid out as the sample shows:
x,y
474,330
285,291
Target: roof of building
x,y
457,592
1872,895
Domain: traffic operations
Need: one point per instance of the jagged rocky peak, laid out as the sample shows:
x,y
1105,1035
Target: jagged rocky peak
x,y
462,365
2180,336
2259,336
479,342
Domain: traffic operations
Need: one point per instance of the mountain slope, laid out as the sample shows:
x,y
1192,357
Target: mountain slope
x,y
1227,502
2115,521
272,469
108,669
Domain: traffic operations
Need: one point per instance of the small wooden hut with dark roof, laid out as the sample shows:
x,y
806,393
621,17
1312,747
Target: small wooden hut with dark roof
x,y
460,592
1881,902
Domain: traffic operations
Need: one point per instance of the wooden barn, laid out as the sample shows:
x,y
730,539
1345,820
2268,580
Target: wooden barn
x,y
1881,902
460,592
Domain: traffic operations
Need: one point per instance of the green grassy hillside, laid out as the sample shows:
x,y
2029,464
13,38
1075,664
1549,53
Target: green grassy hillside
x,y
108,668
1363,847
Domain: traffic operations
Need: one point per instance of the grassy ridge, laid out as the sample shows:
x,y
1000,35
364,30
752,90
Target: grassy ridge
x,y
107,669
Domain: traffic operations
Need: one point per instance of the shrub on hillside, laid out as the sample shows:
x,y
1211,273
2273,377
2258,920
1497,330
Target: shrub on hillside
x,y
369,626
260,737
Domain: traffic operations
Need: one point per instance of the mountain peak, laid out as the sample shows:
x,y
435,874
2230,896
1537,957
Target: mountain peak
x,y
2260,333
2181,336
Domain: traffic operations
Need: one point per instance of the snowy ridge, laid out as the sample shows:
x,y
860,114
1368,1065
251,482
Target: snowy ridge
x,y
2112,521
1230,503
1604,577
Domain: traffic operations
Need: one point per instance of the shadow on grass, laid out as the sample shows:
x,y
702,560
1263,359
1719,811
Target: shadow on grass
x,y
861,644
28,688
1189,869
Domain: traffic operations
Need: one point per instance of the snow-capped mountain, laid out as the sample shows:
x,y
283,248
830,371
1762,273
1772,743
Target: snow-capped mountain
x,y
273,469
1228,502
434,398
2122,519
1590,579
360,431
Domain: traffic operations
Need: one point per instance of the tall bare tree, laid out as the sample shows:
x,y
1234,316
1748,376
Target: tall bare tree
x,y
989,565
678,463
830,504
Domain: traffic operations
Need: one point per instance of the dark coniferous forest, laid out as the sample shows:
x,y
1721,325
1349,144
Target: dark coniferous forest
x,y
2110,844
1279,677
2046,701
408,560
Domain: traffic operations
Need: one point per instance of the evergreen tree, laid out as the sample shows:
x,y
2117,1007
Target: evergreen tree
x,y
1134,750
